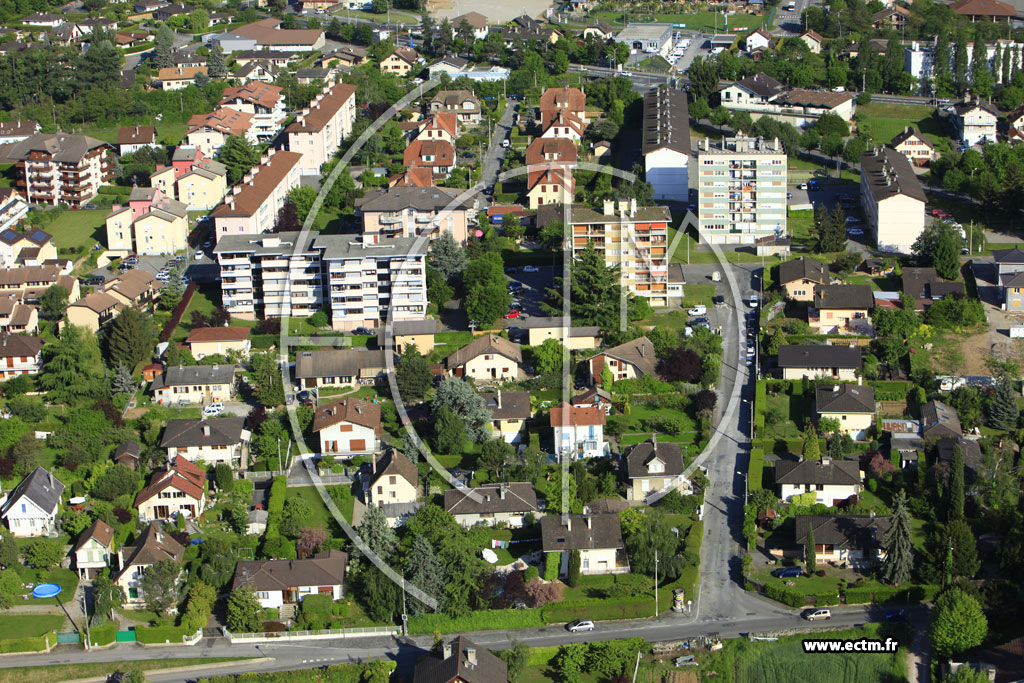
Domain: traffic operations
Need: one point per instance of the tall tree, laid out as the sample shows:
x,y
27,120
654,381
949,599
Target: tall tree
x,y
961,540
811,446
898,543
72,367
216,64
947,255
1002,406
162,45
956,484
449,431
447,257
377,533
131,337
244,615
960,62
412,374
466,403
239,156
957,623
107,596
594,292
161,586
54,302
424,570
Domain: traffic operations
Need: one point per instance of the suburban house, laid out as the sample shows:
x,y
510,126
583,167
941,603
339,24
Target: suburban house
x,y
798,278
20,354
258,70
269,35
210,341
13,243
938,421
488,357
974,121
443,125
31,508
475,20
437,155
128,454
253,205
401,61
136,287
924,286
413,211
223,440
653,467
28,283
461,661
152,545
851,404
892,198
538,329
597,537
813,40
178,489
595,396
18,130
463,103
917,148
209,132
509,412
194,384
579,431
839,363
339,367
833,481
493,504
348,427
281,584
94,310
630,360
94,550
320,128
844,539
841,309
971,449
405,333
179,77
17,318
1010,264
131,139
550,162
758,40
761,95
393,486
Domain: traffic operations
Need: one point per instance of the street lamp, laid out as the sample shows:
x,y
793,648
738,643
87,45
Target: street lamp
x,y
744,474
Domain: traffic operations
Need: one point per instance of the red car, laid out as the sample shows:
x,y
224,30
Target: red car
x,y
939,213
512,314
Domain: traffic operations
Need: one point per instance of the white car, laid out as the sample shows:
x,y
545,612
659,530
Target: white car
x,y
214,409
531,269
699,309
580,625
199,255
754,301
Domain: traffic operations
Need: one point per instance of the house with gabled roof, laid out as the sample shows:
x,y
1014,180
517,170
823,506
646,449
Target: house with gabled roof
x,y
151,546
945,447
665,142
94,550
443,125
798,277
759,40
348,427
401,61
210,341
31,508
223,440
20,354
813,40
461,661
492,504
463,103
339,367
286,583
974,120
579,431
194,384
841,309
437,155
855,540
209,132
597,537
393,486
852,405
486,358
939,420
630,360
178,489
263,101
128,454
654,467
476,21
405,333
509,412
915,146
832,481
137,287
839,363
131,139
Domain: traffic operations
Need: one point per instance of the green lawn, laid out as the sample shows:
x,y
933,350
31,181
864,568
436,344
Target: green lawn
x,y
66,672
687,252
883,122
202,301
65,578
78,230
321,515
167,133
28,625
702,21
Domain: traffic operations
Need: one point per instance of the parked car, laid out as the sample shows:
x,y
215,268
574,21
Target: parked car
x,y
199,255
896,615
531,269
513,313
306,397
214,409
95,280
817,614
363,331
854,231
718,300
699,309
580,625
754,301
788,572
802,186
515,285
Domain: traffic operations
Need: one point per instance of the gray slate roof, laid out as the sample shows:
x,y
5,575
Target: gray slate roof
x,y
224,431
182,375
804,269
337,362
835,473
643,453
37,488
459,666
419,198
889,174
844,297
820,356
666,121
845,398
843,531
603,531
639,352
326,568
1011,256
515,405
939,419
518,497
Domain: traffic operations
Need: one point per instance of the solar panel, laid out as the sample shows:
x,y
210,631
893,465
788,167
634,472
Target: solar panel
x,y
39,236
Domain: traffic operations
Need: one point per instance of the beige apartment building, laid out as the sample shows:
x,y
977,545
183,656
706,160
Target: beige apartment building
x,y
319,129
58,168
414,211
253,205
892,198
151,223
741,189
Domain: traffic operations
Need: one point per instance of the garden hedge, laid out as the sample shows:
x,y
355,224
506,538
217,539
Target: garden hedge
x,y
552,564
482,620
755,471
785,595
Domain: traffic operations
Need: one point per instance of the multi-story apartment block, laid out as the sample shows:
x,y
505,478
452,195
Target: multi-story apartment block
x,y
151,223
209,132
192,179
264,102
414,211
62,169
291,274
741,189
318,130
631,238
253,205
892,198
666,143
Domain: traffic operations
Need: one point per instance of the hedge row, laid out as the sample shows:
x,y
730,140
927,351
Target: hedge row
x,y
602,610
760,403
552,564
477,621
755,471
178,312
339,673
104,635
34,644
784,595
275,508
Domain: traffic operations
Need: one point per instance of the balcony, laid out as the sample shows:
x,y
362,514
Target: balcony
x,y
389,220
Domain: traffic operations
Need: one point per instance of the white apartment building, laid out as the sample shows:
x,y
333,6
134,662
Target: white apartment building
x,y
252,206
265,103
357,282
741,189
666,143
892,198
319,129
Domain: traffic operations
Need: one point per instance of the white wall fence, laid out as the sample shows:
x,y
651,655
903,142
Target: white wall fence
x,y
325,634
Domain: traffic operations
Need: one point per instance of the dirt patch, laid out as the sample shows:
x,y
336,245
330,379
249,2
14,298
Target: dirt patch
x,y
495,11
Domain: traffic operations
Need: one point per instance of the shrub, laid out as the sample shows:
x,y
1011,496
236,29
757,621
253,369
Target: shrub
x,y
552,565
755,471
784,595
530,574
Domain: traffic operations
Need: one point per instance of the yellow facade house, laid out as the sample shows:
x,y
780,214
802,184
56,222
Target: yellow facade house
x,y
851,405
486,358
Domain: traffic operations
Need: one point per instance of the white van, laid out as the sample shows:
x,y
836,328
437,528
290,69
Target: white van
x,y
699,309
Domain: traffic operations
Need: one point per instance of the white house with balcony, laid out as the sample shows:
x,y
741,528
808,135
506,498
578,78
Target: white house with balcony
x,y
579,431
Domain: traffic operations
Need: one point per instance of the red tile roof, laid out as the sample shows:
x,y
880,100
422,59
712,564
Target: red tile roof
x,y
212,334
564,415
442,151
183,475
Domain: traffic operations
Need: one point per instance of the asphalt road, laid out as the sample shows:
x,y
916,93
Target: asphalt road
x,y
495,156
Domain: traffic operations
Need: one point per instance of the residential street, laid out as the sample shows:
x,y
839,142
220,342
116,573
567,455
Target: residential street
x,y
495,156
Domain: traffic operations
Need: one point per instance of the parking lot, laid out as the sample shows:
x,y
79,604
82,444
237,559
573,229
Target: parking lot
x,y
535,283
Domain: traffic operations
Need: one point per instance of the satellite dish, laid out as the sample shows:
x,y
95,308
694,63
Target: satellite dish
x,y
490,555
46,590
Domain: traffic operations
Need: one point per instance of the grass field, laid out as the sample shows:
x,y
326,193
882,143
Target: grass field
x,y
702,21
321,515
65,672
28,625
78,228
166,133
203,302
882,122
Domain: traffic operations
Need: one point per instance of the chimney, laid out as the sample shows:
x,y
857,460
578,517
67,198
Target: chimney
x,y
825,460
471,657
590,522
568,523
446,650
609,207
50,473
373,469
502,491
206,428
499,399
643,350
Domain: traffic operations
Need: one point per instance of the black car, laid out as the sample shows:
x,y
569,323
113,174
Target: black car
x,y
699,321
718,300
95,280
366,331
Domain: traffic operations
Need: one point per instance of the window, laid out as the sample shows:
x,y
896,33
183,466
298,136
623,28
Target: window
x,y
392,480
